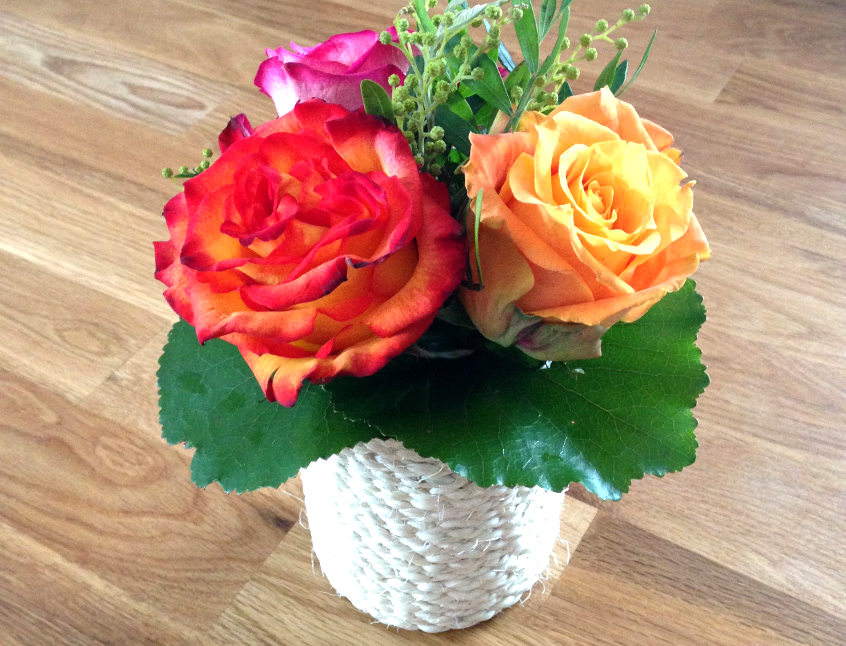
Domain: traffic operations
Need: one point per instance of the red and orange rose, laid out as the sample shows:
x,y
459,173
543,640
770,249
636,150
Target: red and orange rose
x,y
585,221
314,245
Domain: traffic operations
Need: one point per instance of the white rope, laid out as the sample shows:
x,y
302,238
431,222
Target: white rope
x,y
418,546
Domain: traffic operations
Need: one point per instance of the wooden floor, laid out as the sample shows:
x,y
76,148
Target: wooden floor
x,y
104,540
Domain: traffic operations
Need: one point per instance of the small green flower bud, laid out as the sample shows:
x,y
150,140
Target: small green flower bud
x,y
416,38
540,82
436,133
442,86
394,80
601,25
400,93
492,12
410,105
428,39
477,74
418,159
440,98
402,24
572,73
167,173
183,170
516,94
413,121
431,4
533,106
429,147
628,15
439,146
410,137
466,41
491,42
205,164
565,44
459,51
436,169
449,18
585,40
476,22
207,153
385,38
398,108
559,78
437,19
621,43
437,68
516,13
644,10
495,31
591,54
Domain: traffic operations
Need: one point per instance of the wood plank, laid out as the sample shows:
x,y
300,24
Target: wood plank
x,y
43,594
203,47
119,504
626,586
63,335
109,79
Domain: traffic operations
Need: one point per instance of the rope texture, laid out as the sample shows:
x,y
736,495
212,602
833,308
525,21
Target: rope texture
x,y
417,546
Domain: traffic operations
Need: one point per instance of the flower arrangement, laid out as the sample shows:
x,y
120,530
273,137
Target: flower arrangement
x,y
436,244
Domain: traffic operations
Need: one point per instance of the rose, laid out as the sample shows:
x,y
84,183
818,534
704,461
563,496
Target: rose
x,y
313,244
332,71
584,223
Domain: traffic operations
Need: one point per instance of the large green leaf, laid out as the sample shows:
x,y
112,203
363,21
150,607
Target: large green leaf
x,y
209,400
498,418
495,416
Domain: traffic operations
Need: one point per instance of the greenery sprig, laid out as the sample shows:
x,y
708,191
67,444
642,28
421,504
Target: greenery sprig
x,y
184,172
462,79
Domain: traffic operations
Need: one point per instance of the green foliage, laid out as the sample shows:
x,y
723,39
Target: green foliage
x,y
209,399
376,100
527,35
495,416
491,88
640,65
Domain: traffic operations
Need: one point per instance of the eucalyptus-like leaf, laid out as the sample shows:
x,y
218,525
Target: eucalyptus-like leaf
x,y
376,100
491,88
563,23
640,65
527,35
606,76
456,129
619,76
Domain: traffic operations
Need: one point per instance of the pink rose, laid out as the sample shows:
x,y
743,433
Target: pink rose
x,y
332,71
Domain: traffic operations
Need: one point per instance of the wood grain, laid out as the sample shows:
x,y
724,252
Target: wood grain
x,y
104,540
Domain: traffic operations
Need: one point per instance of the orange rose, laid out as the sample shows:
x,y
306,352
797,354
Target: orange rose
x,y
313,244
585,222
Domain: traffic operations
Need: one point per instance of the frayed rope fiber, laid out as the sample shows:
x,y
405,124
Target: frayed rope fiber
x,y
419,547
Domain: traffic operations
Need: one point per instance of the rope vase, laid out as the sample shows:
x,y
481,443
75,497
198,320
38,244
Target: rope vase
x,y
417,546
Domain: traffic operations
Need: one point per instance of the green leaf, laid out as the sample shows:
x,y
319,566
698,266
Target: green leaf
x,y
456,130
527,35
552,59
209,399
606,76
491,88
500,418
619,76
640,65
520,76
424,22
564,92
376,100
546,17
